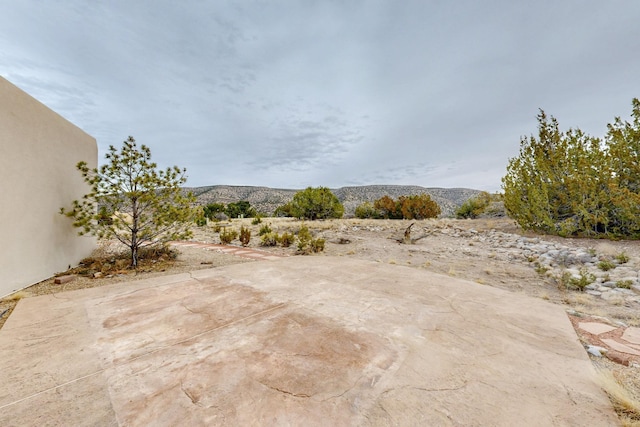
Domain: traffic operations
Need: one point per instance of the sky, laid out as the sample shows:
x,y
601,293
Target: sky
x,y
298,93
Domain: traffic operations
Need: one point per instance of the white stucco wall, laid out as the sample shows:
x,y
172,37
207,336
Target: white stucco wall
x,y
38,153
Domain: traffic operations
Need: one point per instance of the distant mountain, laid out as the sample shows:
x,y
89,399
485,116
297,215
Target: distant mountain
x,y
266,199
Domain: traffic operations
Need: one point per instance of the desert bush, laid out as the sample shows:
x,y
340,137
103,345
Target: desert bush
x,y
269,239
315,203
287,239
606,265
388,208
265,229
257,220
366,210
316,245
306,243
622,258
164,251
418,207
475,206
304,238
245,235
585,278
624,284
227,236
406,207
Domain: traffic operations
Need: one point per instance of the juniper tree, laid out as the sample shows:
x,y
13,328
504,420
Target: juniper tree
x,y
133,201
570,183
316,203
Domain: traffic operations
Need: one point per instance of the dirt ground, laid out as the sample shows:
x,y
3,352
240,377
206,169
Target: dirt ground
x,y
439,248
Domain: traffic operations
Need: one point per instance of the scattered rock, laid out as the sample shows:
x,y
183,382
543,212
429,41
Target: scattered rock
x,y
617,357
64,279
596,351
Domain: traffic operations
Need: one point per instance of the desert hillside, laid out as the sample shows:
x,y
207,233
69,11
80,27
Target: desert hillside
x,y
266,199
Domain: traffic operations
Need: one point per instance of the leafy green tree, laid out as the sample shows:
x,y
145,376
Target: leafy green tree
x,y
283,211
132,201
570,183
241,209
212,209
623,140
316,203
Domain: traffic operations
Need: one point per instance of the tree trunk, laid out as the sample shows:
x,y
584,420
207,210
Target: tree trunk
x,y
134,256
407,235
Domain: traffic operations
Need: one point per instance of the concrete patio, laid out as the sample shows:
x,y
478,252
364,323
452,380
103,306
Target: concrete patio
x,y
296,341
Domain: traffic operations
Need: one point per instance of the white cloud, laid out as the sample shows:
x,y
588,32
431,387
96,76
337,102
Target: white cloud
x,y
291,94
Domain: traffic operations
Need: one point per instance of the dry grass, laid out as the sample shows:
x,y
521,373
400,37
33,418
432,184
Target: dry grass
x,y
581,299
17,296
625,403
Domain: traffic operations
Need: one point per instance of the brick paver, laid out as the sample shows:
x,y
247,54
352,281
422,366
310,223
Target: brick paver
x,y
240,251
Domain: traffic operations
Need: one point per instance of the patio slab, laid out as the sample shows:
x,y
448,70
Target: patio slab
x,y
296,341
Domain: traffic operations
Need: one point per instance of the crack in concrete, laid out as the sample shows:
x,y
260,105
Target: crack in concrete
x,y
194,399
346,391
299,395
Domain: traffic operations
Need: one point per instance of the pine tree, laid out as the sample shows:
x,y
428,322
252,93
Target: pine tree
x,y
132,201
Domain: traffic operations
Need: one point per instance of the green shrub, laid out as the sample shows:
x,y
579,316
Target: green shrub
x,y
606,265
269,239
366,210
583,281
624,284
265,229
474,207
287,240
622,258
227,236
316,245
304,238
316,203
245,235
283,211
257,220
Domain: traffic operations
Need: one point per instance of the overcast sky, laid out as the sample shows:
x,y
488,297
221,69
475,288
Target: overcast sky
x,y
298,93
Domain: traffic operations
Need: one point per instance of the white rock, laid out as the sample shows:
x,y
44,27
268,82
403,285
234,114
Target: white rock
x,y
595,350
